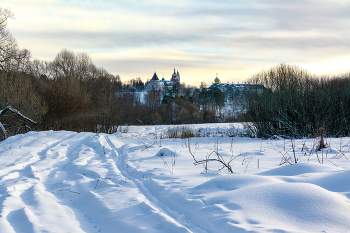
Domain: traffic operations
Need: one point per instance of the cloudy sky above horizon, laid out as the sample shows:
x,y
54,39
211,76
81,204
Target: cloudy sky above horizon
x,y
199,38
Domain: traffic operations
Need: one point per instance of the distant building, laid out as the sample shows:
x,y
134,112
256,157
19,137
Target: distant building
x,y
155,77
156,84
225,86
153,84
175,77
237,96
217,80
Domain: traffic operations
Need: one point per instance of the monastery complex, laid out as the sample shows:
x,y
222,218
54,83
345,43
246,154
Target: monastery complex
x,y
158,84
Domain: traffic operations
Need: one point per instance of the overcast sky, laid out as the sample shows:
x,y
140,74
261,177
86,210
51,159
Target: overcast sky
x,y
235,38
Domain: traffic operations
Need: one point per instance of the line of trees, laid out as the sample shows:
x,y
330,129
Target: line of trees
x,y
71,93
296,103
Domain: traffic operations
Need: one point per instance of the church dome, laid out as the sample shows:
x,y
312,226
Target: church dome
x,y
174,74
217,80
155,77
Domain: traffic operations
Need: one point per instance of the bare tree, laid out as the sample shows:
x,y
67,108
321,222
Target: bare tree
x,y
75,66
4,15
11,56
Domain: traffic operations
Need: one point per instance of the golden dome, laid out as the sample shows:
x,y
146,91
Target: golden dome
x,y
217,80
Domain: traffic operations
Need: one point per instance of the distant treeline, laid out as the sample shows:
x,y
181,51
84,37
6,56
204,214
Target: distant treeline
x,y
297,104
71,93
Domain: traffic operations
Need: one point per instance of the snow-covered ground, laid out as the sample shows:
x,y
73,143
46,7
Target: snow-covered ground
x,y
139,181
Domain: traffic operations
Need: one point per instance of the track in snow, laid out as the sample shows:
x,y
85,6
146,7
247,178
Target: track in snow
x,y
151,200
77,182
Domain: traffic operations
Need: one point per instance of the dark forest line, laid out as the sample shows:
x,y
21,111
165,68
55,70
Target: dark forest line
x,y
71,93
297,104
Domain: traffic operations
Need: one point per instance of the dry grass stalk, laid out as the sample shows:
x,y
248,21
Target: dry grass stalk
x,y
321,132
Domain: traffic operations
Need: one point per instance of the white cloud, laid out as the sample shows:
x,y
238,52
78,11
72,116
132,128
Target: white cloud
x,y
134,38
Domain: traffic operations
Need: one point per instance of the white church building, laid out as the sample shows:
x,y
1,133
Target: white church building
x,y
156,84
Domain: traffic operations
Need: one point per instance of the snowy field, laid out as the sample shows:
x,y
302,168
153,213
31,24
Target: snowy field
x,y
140,181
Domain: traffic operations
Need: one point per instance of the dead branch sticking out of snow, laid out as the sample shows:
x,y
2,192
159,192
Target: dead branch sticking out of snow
x,y
66,190
17,113
8,108
218,158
